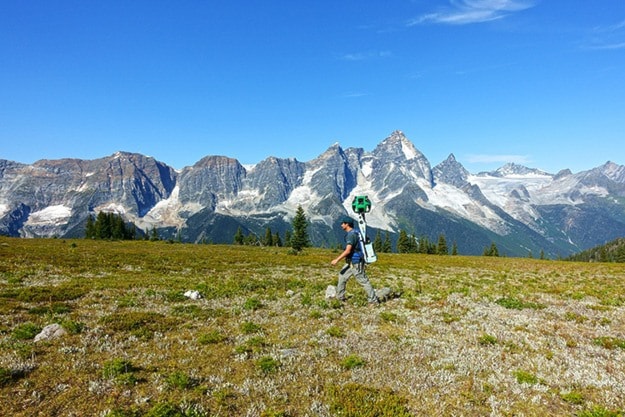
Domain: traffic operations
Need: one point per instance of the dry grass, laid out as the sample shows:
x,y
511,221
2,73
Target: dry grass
x,y
470,336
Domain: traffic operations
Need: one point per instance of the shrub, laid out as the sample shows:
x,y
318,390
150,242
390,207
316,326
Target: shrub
x,y
487,339
610,342
26,331
352,361
267,364
211,337
119,370
524,377
5,377
355,400
252,303
335,331
248,327
516,304
389,317
599,411
73,327
573,397
179,380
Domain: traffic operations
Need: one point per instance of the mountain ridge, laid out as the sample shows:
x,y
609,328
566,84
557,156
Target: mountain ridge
x,y
521,209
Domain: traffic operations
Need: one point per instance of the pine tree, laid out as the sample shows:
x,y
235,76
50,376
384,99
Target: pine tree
x,y
276,240
90,228
403,242
387,247
492,251
377,243
300,240
268,238
441,248
238,236
454,249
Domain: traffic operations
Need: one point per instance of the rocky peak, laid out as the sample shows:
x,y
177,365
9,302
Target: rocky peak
x,y
450,171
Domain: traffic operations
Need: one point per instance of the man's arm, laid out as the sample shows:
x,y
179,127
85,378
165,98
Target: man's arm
x,y
346,252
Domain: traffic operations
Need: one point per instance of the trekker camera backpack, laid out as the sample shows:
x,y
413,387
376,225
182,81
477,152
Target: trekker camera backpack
x,y
362,205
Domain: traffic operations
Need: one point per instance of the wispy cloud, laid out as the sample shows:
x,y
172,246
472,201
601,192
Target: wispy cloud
x,y
353,94
608,37
364,56
462,12
491,159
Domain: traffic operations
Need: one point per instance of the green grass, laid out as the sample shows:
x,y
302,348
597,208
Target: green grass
x,y
469,336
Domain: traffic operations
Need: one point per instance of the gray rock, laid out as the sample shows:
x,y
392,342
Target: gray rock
x,y
51,331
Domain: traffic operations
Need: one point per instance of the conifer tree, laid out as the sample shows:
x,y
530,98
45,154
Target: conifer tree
x,y
387,246
90,228
238,236
403,242
377,243
300,240
268,237
441,248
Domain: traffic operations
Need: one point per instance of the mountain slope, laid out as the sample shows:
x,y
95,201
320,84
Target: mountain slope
x,y
519,208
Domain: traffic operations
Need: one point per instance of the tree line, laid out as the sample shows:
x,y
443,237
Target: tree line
x,y
112,226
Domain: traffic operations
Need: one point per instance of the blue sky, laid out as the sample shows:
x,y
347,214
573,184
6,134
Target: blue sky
x,y
536,82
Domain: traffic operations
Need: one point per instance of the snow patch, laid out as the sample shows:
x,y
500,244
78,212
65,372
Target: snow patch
x,y
112,208
3,209
408,150
55,215
165,212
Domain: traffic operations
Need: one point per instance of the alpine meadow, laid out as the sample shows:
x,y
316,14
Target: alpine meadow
x,y
462,336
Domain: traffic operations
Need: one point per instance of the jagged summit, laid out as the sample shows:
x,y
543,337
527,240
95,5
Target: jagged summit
x,y
517,207
451,171
397,145
516,169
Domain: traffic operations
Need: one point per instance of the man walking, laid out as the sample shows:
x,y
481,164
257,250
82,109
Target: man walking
x,y
355,264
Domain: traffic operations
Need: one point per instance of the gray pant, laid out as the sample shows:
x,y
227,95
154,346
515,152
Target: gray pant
x,y
357,271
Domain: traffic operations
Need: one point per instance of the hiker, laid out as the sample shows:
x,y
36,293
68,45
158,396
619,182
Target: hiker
x,y
355,264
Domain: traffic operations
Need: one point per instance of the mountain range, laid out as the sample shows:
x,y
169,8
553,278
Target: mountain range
x,y
520,209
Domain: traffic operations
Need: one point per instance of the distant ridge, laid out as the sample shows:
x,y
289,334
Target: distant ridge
x,y
522,210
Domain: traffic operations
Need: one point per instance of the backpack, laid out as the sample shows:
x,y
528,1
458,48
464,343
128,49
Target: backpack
x,y
364,251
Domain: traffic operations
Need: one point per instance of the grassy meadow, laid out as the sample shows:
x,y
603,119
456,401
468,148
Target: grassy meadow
x,y
469,336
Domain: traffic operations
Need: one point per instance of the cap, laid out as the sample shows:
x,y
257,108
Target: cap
x,y
348,220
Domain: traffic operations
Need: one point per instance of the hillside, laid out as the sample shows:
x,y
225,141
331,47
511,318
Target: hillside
x,y
613,251
520,209
469,336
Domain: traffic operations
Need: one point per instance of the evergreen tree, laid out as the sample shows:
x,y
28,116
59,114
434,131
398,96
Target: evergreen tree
x,y
441,248
109,226
268,238
387,246
238,236
377,243
154,235
454,249
251,240
276,240
300,240
287,238
403,242
90,228
118,228
542,254
492,251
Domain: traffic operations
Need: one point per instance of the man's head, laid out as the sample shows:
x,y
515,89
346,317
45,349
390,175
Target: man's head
x,y
347,221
